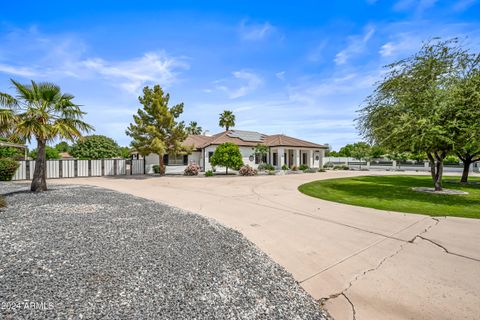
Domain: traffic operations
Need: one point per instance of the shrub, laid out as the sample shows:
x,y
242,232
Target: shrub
x,y
341,167
303,167
294,168
328,165
156,168
321,170
271,172
8,167
192,170
209,173
95,147
310,170
265,167
50,153
247,171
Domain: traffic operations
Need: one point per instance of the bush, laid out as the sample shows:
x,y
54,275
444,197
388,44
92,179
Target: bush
x,y
50,153
284,167
303,167
157,169
328,165
265,167
321,170
247,171
209,173
8,167
271,172
341,167
95,147
294,168
310,170
192,170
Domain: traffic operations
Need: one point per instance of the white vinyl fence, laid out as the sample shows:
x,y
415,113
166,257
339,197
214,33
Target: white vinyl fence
x,y
82,168
384,164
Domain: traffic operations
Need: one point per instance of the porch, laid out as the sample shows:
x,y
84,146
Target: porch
x,y
296,157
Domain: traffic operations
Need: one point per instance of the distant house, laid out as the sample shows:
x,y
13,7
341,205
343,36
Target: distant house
x,y
282,150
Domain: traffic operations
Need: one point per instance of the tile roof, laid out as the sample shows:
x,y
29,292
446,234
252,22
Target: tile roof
x,y
248,139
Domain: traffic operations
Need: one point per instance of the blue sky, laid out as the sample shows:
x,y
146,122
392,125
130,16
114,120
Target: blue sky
x,y
300,68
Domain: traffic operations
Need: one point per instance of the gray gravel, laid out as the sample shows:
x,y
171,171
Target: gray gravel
x,y
78,252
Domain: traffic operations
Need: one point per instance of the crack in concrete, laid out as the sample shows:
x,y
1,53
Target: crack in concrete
x,y
446,250
350,284
354,312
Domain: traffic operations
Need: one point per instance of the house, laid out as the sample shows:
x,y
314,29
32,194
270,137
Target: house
x,y
282,150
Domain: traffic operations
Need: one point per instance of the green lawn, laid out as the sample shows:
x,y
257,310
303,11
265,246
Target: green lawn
x,y
394,193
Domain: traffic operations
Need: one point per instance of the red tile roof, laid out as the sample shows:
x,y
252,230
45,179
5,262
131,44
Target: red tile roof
x,y
250,139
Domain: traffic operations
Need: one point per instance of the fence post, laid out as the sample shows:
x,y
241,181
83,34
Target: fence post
x,y
27,169
75,168
89,168
115,167
60,169
394,164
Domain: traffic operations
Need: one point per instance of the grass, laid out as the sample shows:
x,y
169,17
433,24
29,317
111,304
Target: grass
x,y
394,193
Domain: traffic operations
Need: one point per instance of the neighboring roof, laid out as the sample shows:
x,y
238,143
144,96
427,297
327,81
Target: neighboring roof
x,y
248,139
65,155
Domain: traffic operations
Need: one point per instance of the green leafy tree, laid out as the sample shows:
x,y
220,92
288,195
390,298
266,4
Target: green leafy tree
x,y
193,128
408,111
331,153
40,111
125,152
227,120
345,151
11,152
377,152
155,128
360,151
62,146
51,153
261,150
399,157
227,155
464,107
95,147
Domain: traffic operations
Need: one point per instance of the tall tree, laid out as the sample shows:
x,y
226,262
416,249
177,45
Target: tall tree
x,y
361,151
194,129
155,128
95,147
408,110
465,109
227,120
40,111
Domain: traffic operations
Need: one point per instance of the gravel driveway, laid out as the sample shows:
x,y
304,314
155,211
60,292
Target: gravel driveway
x,y
86,252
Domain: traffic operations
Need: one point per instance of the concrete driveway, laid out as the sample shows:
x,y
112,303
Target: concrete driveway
x,y
360,263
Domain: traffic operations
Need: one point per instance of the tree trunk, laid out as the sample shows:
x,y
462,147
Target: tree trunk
x,y
436,168
39,181
161,169
226,171
466,168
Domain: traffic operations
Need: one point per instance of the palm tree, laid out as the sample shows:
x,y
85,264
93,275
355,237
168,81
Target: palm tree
x,y
42,112
193,128
227,120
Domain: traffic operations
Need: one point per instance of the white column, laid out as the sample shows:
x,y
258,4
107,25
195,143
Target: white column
x,y
310,158
296,157
281,157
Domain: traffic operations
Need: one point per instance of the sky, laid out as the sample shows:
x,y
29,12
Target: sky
x,y
301,68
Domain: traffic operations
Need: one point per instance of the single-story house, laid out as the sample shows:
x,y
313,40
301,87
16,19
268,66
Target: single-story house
x,y
282,150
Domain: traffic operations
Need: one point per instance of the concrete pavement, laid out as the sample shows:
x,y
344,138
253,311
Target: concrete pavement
x,y
361,263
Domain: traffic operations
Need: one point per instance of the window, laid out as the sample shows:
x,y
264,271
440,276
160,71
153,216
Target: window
x,y
210,154
304,158
275,160
260,158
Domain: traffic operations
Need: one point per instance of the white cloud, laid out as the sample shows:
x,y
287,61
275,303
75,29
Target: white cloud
x,y
255,32
249,83
356,45
65,56
415,6
280,75
135,73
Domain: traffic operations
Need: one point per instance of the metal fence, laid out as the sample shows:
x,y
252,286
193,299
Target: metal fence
x,y
57,169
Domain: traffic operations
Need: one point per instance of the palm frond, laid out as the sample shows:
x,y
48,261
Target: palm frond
x,y
7,100
24,92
